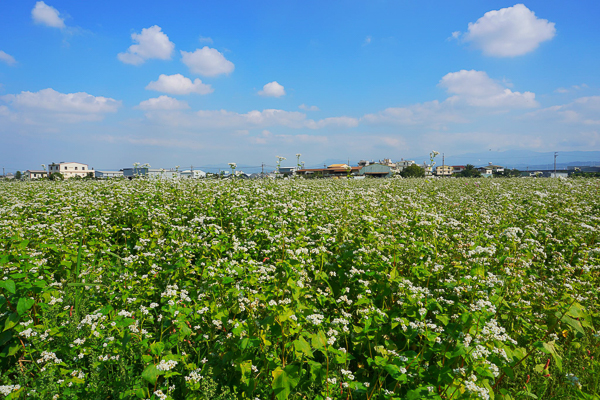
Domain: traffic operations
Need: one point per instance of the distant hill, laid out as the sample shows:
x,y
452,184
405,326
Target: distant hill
x,y
521,159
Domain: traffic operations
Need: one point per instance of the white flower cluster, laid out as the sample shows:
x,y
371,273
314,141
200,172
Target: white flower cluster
x,y
481,392
49,356
8,389
347,374
166,365
194,376
316,319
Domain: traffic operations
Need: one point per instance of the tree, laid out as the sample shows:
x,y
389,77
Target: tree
x,y
469,172
18,175
56,176
508,173
413,171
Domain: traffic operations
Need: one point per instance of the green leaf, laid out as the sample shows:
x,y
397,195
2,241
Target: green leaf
x,y
8,285
246,368
284,380
151,374
157,348
574,324
319,341
24,304
5,337
302,346
11,321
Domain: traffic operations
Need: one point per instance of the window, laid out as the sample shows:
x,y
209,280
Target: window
x,y
66,167
75,168
83,168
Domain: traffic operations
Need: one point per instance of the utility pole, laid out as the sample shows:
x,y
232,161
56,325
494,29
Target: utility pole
x,y
555,155
263,169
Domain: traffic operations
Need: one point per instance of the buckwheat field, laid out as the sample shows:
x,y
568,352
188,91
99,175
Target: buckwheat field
x,y
300,289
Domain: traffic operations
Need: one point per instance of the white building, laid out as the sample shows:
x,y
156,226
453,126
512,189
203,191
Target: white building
x,y
108,174
152,173
195,174
35,174
70,169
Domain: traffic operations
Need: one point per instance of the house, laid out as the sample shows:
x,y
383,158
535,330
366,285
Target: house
x,y
155,173
400,165
108,174
444,170
377,170
70,169
456,169
287,171
490,169
195,174
35,174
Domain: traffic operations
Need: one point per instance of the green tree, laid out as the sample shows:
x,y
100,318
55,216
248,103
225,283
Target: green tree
x,y
18,175
56,176
413,171
469,172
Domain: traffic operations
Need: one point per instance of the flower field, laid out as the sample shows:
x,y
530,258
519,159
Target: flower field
x,y
322,289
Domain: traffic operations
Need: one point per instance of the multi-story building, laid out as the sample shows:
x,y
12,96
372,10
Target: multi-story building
x,y
70,169
443,170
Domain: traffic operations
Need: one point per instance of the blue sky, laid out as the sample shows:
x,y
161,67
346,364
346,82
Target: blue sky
x,y
179,83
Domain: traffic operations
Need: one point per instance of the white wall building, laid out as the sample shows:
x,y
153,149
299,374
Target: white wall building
x,y
108,174
195,174
35,174
70,169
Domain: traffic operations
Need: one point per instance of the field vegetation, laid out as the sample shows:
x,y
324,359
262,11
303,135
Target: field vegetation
x,y
320,289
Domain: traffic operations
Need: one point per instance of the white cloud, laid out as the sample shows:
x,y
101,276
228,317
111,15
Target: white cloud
x,y
51,100
179,84
44,14
308,108
477,89
584,111
509,32
151,43
272,89
230,120
203,39
207,62
163,103
431,112
367,40
345,122
7,58
561,90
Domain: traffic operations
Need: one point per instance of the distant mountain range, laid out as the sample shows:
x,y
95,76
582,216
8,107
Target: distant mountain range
x,y
519,159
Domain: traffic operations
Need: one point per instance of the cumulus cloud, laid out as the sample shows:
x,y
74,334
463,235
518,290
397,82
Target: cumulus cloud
x,y
163,103
51,100
477,89
308,108
7,58
150,43
179,84
207,62
509,32
272,89
44,14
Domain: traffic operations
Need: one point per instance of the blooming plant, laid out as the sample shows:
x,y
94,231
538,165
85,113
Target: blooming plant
x,y
300,289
